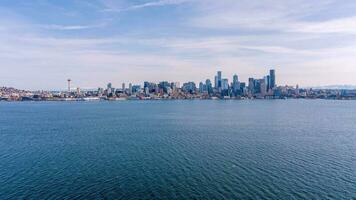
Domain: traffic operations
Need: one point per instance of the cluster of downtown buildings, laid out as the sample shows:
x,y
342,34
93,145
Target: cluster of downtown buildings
x,y
221,88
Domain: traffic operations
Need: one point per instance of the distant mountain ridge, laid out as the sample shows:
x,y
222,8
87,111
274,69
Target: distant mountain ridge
x,y
336,87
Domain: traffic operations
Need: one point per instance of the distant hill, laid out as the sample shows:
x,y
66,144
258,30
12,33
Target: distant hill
x,y
336,87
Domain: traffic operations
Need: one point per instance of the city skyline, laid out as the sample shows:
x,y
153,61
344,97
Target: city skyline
x,y
45,42
216,81
265,87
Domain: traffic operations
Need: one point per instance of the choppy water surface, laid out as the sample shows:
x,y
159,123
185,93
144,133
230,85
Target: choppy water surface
x,y
294,149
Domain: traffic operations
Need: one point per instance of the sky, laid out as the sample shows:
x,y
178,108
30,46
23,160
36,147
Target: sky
x,y
93,42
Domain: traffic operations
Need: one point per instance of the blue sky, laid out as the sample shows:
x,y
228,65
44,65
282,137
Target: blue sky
x,y
44,42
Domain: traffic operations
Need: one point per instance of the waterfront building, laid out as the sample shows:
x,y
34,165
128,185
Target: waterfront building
x,y
146,84
147,91
297,90
169,90
136,89
156,90
100,91
130,88
78,91
109,89
164,85
173,86
189,87
177,85
151,87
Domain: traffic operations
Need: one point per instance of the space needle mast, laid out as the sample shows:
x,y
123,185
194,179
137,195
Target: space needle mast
x,y
69,80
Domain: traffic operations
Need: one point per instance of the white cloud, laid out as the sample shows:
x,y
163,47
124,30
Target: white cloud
x,y
121,7
269,15
70,27
343,25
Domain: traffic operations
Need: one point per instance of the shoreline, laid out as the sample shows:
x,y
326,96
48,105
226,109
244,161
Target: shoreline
x,y
196,99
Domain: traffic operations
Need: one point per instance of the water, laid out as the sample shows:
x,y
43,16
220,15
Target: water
x,y
292,149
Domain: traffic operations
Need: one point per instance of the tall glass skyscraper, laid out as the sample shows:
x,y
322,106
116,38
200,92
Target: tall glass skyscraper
x,y
235,85
219,79
251,85
209,87
272,77
216,82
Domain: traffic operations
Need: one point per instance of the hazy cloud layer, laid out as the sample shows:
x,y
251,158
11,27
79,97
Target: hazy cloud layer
x,y
95,42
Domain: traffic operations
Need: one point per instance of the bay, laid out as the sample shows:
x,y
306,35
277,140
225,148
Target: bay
x,y
196,149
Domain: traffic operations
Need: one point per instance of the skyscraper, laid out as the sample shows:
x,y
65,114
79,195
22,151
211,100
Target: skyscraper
x,y
224,90
146,84
263,86
235,85
201,87
130,88
109,89
272,76
251,85
257,84
109,86
189,87
225,84
209,87
177,84
78,91
219,80
235,79
243,88
216,82
164,85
